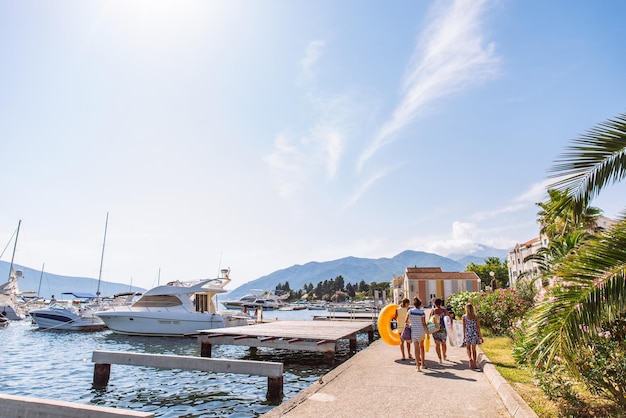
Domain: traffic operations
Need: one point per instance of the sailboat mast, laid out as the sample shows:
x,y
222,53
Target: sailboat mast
x,y
106,223
17,234
40,277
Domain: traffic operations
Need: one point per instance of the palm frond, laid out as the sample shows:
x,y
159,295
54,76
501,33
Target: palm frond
x,y
597,159
592,292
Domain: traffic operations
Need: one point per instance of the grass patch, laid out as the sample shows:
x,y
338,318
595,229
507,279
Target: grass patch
x,y
499,351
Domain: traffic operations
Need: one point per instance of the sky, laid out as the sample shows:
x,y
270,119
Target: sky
x,y
255,135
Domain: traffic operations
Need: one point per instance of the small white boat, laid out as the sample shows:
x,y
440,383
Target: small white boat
x,y
175,309
244,301
268,300
75,314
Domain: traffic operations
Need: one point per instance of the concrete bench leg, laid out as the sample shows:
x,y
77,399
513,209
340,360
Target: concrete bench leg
x,y
205,349
274,390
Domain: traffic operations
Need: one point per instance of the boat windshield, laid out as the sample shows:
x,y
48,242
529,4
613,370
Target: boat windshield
x,y
164,301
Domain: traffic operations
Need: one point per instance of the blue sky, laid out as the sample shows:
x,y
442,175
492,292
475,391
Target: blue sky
x,y
258,135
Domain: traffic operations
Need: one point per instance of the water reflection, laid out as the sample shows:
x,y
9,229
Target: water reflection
x,y
57,365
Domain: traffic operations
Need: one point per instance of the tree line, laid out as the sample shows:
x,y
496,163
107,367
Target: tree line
x,y
333,290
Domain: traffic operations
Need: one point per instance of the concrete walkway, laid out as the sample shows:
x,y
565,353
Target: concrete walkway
x,y
377,383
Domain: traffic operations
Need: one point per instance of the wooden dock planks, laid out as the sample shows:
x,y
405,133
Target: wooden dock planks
x,y
320,336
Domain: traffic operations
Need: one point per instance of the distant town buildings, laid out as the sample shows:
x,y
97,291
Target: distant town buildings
x,y
429,283
515,258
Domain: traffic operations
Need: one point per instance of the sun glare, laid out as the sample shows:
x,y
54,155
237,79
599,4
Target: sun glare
x,y
163,22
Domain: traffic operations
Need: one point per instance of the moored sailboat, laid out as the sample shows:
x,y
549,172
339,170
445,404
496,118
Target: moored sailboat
x,y
77,313
11,308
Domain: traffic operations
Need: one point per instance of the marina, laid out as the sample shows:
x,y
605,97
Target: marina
x,y
58,365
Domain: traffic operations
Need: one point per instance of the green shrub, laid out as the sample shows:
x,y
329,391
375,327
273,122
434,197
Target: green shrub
x,y
600,363
458,302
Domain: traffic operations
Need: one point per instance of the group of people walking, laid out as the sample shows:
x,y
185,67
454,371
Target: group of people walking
x,y
415,318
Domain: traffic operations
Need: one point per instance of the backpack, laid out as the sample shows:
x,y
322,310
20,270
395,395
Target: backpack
x,y
434,323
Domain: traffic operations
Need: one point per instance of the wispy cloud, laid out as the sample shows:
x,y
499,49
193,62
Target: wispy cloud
x,y
312,54
364,187
285,164
322,145
466,236
332,142
535,193
450,57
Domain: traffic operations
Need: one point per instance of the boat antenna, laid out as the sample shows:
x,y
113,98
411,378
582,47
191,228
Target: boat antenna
x,y
106,223
17,234
219,265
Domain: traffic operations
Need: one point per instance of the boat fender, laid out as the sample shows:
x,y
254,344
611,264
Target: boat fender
x,y
388,335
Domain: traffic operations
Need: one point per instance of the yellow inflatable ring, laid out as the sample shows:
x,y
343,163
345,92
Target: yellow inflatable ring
x,y
391,337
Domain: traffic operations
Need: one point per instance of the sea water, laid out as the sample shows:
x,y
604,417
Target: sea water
x,y
57,365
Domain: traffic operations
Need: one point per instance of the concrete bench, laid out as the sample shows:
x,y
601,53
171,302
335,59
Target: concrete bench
x,y
273,371
24,406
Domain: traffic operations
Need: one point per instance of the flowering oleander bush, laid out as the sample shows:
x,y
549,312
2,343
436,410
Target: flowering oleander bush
x,y
599,363
602,362
500,310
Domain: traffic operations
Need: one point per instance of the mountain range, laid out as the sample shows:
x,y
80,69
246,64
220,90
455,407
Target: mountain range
x,y
352,269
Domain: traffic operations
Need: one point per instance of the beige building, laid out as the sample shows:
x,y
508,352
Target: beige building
x,y
515,258
431,282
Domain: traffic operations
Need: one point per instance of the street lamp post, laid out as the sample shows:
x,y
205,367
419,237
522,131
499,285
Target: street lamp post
x,y
493,280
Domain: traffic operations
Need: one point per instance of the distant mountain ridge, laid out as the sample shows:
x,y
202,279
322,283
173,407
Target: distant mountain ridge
x,y
354,269
54,284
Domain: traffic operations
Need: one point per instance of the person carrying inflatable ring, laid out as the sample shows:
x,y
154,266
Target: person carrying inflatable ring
x,y
400,318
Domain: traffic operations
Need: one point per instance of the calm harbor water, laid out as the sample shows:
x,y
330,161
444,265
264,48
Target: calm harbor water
x,y
57,365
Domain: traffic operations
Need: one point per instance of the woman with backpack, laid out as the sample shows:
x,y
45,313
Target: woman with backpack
x,y
439,313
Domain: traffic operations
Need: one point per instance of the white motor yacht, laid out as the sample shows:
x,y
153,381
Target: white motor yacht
x,y
175,309
75,314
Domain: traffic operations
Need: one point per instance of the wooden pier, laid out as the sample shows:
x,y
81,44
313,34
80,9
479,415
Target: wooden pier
x,y
273,371
347,316
12,406
319,336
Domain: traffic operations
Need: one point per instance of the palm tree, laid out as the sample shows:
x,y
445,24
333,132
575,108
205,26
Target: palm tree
x,y
593,290
595,160
547,259
558,218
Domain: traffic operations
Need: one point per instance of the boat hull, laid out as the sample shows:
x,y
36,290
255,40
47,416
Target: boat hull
x,y
63,320
156,324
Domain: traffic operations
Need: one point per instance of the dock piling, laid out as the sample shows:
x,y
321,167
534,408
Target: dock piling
x,y
101,375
